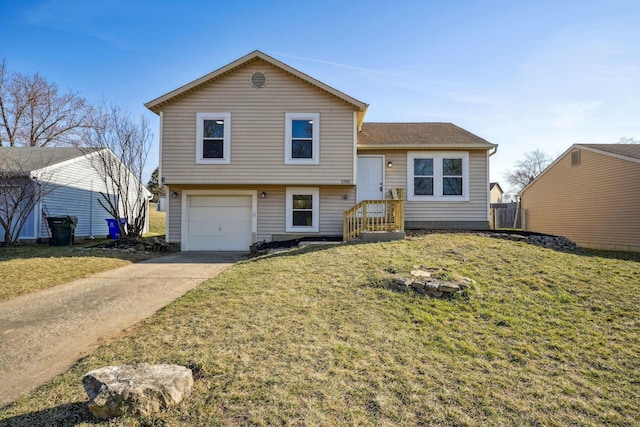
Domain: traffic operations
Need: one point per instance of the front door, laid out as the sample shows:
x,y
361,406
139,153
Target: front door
x,y
370,178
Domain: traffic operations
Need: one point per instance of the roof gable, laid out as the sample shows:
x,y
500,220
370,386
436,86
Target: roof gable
x,y
157,104
630,152
418,135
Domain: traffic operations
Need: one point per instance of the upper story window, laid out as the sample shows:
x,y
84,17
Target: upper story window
x,y
213,138
434,175
302,140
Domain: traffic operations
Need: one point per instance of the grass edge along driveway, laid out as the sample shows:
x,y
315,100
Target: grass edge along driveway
x,y
29,268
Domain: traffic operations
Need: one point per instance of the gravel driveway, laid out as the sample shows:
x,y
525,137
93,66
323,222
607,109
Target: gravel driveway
x,y
44,333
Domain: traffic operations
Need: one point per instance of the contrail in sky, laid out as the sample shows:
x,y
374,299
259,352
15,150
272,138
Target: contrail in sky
x,y
351,67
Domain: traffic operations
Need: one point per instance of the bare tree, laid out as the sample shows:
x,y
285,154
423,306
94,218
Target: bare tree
x,y
33,112
24,181
628,140
528,168
123,146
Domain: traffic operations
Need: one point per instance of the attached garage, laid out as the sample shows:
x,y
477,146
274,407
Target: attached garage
x,y
218,222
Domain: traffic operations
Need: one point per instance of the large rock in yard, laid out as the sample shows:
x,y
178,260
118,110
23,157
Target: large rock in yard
x,y
135,389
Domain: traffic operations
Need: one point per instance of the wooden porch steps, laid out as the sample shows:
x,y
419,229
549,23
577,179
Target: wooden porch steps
x,y
381,220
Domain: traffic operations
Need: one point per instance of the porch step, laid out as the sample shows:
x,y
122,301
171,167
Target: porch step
x,y
381,236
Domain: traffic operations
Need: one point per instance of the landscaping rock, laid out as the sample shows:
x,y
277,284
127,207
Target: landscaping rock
x,y
140,389
553,242
431,286
401,284
420,273
449,287
418,286
423,282
546,241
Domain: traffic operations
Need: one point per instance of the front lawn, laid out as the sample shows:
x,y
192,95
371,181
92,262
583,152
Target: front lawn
x,y
28,268
314,337
156,221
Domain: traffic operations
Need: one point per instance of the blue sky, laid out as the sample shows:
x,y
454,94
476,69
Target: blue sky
x,y
522,74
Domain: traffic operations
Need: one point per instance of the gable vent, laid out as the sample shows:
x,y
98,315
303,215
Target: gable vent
x,y
575,158
258,79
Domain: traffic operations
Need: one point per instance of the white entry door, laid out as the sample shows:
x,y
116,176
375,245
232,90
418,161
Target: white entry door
x,y
370,178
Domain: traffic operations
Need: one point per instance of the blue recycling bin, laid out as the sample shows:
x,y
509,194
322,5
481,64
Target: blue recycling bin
x,y
114,230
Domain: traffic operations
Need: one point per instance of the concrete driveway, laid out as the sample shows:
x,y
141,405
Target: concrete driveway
x,y
44,333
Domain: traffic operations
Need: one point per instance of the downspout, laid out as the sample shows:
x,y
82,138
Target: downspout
x,y
91,237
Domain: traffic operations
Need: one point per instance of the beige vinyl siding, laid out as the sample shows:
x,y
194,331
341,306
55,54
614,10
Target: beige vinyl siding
x,y
473,210
332,208
495,195
596,203
174,215
272,215
271,210
257,131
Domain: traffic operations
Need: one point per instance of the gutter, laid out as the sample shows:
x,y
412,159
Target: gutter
x,y
367,147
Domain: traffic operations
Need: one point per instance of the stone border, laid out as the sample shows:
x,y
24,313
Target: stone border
x,y
423,282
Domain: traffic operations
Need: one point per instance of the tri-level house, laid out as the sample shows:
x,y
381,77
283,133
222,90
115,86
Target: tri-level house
x,y
259,151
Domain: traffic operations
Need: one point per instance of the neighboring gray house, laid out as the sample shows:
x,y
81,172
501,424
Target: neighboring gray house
x,y
75,184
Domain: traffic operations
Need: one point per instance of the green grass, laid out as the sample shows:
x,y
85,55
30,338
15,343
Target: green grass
x,y
29,268
156,222
313,337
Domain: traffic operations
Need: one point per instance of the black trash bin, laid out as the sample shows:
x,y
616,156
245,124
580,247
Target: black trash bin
x,y
62,229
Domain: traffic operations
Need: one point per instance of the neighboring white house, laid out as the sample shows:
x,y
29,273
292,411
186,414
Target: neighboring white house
x,y
76,189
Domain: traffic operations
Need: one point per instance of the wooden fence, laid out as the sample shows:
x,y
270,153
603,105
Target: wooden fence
x,y
506,215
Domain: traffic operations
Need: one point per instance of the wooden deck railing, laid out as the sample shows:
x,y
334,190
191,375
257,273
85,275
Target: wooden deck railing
x,y
375,215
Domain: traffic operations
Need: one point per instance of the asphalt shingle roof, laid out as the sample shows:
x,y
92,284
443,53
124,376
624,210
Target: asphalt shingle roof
x,y
33,158
628,150
419,135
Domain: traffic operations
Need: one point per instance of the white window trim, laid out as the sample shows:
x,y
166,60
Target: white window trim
x,y
315,141
437,157
315,193
226,147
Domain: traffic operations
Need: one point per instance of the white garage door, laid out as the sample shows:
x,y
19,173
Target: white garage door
x,y
219,223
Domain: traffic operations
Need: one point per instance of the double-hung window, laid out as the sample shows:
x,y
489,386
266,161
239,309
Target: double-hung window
x,y
302,139
302,207
213,138
437,175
